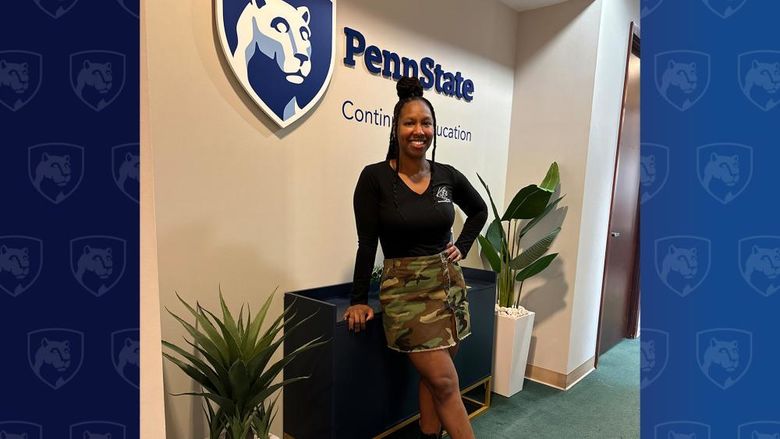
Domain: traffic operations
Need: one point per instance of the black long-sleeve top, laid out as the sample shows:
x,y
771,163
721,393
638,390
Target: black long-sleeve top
x,y
407,223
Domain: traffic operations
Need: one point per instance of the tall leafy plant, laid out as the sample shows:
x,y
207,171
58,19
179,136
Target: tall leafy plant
x,y
232,363
502,245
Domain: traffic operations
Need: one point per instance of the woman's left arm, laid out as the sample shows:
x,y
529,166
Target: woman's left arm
x,y
469,200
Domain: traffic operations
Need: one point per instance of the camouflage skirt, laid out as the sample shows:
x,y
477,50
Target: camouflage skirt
x,y
424,305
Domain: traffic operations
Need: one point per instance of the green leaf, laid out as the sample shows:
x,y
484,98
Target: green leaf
x,y
231,342
202,339
495,233
535,251
208,327
253,327
215,383
552,178
490,253
192,372
240,384
227,318
490,197
550,207
225,403
536,267
529,202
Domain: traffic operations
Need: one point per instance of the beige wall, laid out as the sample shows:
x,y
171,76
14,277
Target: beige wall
x,y
245,205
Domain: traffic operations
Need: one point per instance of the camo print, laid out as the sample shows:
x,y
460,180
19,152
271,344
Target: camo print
x,y
424,304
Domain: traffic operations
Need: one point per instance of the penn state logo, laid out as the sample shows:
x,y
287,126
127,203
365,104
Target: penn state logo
x,y
97,262
682,430
682,77
131,6
125,163
654,349
55,169
724,355
97,77
125,354
654,170
443,194
759,77
724,8
97,430
55,355
724,169
55,8
759,430
759,263
21,259
682,262
648,6
20,77
281,51
20,430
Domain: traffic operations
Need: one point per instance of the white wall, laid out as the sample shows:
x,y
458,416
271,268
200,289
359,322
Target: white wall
x,y
243,204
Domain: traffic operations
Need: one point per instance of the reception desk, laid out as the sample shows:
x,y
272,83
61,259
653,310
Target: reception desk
x,y
357,387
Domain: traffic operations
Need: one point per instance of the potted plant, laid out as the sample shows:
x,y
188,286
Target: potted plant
x,y
232,363
514,262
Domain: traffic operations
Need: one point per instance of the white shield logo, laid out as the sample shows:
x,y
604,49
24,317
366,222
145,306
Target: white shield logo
x,y
21,72
648,6
125,161
682,430
724,8
724,169
682,77
97,77
759,263
98,262
125,354
654,171
682,262
655,355
55,354
281,51
55,8
20,430
759,430
759,77
21,259
724,355
97,430
55,169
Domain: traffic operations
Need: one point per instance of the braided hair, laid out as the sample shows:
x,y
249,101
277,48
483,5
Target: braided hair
x,y
408,89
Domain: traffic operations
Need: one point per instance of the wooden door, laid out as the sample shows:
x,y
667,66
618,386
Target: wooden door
x,y
619,296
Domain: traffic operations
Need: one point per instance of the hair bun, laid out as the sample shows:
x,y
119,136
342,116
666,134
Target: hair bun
x,y
409,88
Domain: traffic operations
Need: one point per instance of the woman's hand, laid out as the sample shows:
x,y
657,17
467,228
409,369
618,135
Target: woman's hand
x,y
357,316
453,254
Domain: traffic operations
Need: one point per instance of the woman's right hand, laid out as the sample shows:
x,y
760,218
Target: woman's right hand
x,y
357,316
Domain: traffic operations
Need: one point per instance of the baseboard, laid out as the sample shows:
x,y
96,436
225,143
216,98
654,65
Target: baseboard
x,y
558,380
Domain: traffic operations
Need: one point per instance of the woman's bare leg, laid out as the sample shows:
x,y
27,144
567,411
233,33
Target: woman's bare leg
x,y
429,420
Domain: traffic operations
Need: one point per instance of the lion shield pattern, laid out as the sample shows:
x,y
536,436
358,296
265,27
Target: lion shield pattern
x,y
125,163
724,169
759,263
21,259
759,78
97,430
98,262
55,169
20,430
20,77
281,51
724,355
654,170
125,349
682,77
654,349
759,430
97,77
55,355
682,262
682,430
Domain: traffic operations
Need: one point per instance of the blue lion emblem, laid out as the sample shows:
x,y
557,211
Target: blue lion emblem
x,y
20,77
682,430
759,78
724,170
98,262
56,169
724,355
97,77
682,77
97,430
20,430
682,262
55,355
126,162
125,355
759,259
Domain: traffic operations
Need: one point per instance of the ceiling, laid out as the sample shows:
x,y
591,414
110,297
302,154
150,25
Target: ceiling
x,y
524,5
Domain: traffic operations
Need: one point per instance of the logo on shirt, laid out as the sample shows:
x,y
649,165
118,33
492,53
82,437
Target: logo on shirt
x,y
443,195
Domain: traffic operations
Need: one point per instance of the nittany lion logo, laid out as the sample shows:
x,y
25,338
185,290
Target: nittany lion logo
x,y
648,6
97,262
682,430
724,8
97,77
682,77
443,194
759,263
55,169
682,262
55,355
20,430
281,51
653,171
20,77
125,164
125,354
759,77
131,6
724,355
97,430
21,259
56,8
759,430
654,349
724,169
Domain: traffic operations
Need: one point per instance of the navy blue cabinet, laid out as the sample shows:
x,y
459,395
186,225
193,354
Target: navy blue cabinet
x,y
358,388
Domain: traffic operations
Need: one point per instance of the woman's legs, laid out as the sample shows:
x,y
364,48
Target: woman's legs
x,y
438,375
429,420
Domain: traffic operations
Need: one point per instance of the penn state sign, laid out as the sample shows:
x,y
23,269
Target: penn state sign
x,y
281,51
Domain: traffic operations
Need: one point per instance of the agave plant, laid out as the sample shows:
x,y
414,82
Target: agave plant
x,y
502,245
232,364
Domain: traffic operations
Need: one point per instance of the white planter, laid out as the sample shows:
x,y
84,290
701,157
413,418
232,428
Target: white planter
x,y
510,352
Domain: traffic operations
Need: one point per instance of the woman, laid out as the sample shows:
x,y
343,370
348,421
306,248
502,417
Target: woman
x,y
406,202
